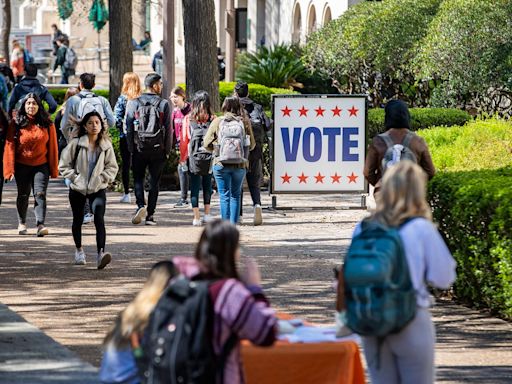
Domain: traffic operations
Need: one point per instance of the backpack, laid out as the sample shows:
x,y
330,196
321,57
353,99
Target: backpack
x,y
148,127
27,57
199,161
89,103
397,152
231,142
177,345
380,298
71,59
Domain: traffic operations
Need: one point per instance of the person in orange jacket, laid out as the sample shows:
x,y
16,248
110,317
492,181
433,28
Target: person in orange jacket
x,y
17,60
31,155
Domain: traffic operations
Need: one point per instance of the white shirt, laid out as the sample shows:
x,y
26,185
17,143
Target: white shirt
x,y
428,257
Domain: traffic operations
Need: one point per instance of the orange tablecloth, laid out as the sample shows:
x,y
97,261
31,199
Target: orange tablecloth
x,y
307,363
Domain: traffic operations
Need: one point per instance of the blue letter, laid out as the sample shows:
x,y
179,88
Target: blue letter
x,y
306,144
347,144
290,154
331,134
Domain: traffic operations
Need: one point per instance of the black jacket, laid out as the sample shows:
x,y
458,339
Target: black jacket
x,y
31,85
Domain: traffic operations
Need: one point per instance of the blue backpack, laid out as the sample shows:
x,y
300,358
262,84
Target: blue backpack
x,y
380,298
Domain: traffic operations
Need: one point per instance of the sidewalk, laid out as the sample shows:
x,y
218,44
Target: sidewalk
x,y
296,252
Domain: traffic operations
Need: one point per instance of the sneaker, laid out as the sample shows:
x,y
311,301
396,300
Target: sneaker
x,y
127,199
22,229
103,259
42,231
150,220
88,218
258,218
139,214
207,219
181,204
79,257
197,223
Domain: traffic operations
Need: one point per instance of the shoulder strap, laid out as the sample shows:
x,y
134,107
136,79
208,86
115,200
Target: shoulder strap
x,y
387,139
77,152
406,142
224,354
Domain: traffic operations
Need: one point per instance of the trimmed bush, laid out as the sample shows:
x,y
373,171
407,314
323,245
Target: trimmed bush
x,y
421,118
471,200
58,94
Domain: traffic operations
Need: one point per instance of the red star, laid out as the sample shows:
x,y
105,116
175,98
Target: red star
x,y
336,178
286,178
352,178
319,111
303,112
319,178
336,111
353,111
303,178
286,111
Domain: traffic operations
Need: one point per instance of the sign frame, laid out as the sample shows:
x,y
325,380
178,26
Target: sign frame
x,y
272,190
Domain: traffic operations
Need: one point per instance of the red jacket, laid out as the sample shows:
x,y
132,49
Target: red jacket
x,y
35,146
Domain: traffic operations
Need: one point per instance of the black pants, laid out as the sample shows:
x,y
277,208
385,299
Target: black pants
x,y
1,169
97,202
254,174
126,158
155,164
35,179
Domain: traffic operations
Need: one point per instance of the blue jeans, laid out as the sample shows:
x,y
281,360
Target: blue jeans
x,y
196,181
229,182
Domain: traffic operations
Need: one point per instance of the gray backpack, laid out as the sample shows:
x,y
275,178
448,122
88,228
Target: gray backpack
x,y
88,103
397,152
231,142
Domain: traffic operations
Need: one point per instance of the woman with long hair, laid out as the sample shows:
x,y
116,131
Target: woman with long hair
x,y
17,60
31,155
131,90
230,173
118,364
196,124
89,162
181,109
408,356
63,137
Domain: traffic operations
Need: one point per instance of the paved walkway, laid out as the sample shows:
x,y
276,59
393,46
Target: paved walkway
x,y
76,305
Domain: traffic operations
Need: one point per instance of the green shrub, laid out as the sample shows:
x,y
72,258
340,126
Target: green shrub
x,y
421,118
58,94
471,198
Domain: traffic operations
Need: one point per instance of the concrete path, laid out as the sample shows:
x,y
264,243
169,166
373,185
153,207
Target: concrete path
x,y
296,252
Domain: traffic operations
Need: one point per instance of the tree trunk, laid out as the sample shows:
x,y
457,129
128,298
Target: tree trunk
x,y
121,50
201,48
5,30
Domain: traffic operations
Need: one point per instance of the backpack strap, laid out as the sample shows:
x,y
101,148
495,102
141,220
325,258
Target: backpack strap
x,y
406,142
77,152
224,354
387,139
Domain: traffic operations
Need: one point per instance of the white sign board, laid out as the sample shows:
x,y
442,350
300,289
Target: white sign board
x,y
36,42
319,143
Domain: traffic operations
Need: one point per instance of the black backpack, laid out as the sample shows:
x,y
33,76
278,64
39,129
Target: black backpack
x,y
258,130
148,128
177,347
199,161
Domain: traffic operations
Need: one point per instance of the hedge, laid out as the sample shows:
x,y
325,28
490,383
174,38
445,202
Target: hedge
x,y
59,93
471,198
421,118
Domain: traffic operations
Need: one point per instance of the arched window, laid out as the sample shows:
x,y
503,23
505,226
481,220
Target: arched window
x,y
327,16
311,19
297,24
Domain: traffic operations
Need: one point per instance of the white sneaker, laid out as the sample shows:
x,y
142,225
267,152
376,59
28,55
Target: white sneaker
x,y
22,229
127,199
103,259
88,218
258,218
197,223
207,219
79,257
139,214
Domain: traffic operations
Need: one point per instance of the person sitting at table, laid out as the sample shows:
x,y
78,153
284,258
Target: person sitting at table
x,y
144,43
239,306
408,356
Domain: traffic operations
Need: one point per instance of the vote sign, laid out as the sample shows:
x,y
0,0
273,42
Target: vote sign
x,y
319,143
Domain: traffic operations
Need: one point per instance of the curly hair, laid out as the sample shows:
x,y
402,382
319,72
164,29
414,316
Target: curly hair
x,y
42,118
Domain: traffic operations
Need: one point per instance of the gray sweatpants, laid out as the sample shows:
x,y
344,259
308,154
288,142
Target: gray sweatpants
x,y
406,357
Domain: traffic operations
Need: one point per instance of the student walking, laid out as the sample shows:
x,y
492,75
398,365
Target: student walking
x,y
66,59
197,159
149,138
4,125
398,142
17,60
260,125
408,355
31,155
230,137
89,162
181,109
131,90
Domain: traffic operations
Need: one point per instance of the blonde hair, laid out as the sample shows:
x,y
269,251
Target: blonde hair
x,y
132,87
403,195
135,317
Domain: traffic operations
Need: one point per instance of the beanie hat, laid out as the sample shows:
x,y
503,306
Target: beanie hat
x,y
397,115
151,79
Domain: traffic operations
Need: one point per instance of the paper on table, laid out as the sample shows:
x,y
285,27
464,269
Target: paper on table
x,y
307,334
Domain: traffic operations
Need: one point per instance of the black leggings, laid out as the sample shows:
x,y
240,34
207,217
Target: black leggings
x,y
126,158
98,203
